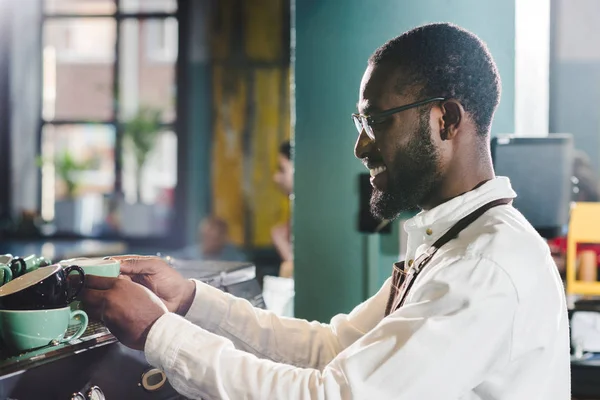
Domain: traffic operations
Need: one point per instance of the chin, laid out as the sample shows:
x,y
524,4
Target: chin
x,y
387,206
384,205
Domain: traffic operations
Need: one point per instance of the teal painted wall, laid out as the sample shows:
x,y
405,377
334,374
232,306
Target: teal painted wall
x,y
335,266
199,113
198,151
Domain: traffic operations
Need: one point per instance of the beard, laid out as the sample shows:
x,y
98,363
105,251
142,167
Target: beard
x,y
412,176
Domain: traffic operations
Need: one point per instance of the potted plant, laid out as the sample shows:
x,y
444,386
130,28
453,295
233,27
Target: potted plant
x,y
67,168
139,137
140,134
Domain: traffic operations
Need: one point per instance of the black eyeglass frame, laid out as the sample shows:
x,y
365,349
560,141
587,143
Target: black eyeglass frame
x,y
366,121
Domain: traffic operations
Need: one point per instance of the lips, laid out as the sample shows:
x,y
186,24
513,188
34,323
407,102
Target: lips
x,y
378,177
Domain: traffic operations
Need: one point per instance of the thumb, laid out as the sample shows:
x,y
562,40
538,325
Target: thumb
x,y
140,266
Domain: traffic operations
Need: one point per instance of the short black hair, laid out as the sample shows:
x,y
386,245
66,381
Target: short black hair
x,y
285,149
445,60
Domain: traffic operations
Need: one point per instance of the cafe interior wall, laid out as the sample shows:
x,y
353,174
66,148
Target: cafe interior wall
x,y
250,71
575,74
235,110
336,267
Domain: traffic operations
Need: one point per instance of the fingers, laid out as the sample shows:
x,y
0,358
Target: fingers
x,y
99,282
94,303
135,266
129,257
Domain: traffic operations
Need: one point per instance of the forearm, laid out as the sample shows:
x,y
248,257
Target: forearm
x,y
263,333
284,249
199,364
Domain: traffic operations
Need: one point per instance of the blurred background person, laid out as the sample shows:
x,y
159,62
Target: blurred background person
x,y
586,188
281,234
213,243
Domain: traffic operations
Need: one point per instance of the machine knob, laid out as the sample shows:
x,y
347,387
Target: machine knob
x,y
95,394
78,396
153,380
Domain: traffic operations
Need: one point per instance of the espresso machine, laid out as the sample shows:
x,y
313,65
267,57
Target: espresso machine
x,y
96,366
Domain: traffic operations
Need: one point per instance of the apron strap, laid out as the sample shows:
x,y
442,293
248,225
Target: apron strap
x,y
402,282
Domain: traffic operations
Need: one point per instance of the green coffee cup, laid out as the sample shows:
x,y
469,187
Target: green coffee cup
x,y
33,262
5,274
23,330
16,265
95,266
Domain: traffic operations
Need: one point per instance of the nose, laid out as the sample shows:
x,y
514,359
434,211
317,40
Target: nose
x,y
363,145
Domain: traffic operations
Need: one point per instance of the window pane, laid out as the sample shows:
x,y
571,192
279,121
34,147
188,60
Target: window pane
x,y
148,186
141,6
78,68
80,6
88,154
78,164
148,56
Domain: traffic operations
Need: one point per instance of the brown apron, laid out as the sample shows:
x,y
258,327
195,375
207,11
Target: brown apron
x,y
402,280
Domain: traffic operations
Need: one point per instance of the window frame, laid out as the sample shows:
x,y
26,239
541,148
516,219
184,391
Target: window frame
x,y
176,235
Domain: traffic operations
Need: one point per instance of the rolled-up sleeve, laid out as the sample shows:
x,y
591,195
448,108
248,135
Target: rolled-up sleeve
x,y
456,327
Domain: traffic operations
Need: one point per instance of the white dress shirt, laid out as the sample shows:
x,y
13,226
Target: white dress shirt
x,y
486,319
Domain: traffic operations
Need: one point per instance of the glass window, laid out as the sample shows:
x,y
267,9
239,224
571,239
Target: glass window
x,y
91,185
78,59
158,173
83,158
160,40
146,6
148,81
80,6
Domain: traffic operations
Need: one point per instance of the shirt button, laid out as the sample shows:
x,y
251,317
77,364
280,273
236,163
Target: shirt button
x,y
428,231
410,263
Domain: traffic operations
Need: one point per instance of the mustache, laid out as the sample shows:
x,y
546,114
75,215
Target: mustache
x,y
372,162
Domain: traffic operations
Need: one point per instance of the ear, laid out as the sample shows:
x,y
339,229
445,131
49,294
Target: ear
x,y
452,117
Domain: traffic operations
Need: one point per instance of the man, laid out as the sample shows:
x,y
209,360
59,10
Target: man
x,y
485,317
280,234
213,243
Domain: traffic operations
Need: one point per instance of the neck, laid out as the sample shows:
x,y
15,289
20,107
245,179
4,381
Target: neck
x,y
460,179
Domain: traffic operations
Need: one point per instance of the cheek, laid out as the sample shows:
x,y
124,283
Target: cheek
x,y
394,143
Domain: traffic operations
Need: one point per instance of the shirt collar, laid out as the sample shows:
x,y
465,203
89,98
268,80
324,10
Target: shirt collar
x,y
432,223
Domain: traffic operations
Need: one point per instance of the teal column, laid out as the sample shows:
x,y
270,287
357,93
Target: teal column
x,y
335,267
199,117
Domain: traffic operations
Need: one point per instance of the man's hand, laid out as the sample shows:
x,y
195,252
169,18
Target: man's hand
x,y
176,292
127,309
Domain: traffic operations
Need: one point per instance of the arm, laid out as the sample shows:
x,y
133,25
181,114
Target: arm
x,y
457,327
286,269
280,235
287,340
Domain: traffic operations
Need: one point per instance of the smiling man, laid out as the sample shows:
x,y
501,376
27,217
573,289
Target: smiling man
x,y
476,312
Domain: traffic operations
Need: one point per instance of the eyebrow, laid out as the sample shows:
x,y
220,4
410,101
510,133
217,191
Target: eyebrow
x,y
369,109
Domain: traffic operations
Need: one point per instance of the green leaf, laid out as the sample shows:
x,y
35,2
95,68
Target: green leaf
x,y
141,132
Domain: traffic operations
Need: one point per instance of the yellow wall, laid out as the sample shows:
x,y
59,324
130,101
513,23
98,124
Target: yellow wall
x,y
250,48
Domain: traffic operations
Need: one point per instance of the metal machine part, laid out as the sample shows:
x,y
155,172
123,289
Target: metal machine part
x,y
153,379
97,367
95,393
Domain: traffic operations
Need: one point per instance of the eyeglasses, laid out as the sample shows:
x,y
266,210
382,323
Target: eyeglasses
x,y
366,122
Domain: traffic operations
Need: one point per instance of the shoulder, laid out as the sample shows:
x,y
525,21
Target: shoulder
x,y
511,252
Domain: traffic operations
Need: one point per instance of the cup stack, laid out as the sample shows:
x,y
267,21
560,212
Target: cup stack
x,y
35,298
